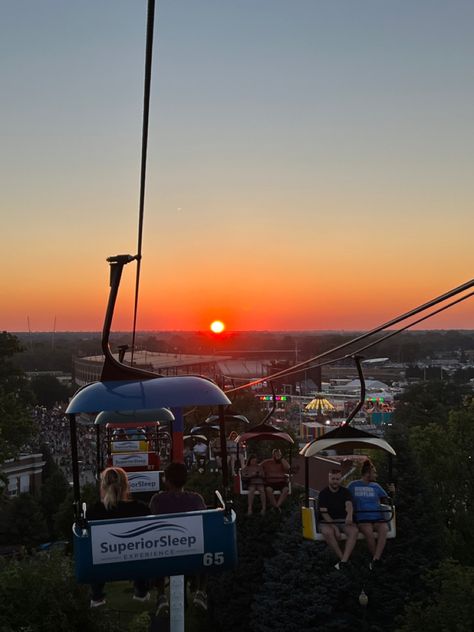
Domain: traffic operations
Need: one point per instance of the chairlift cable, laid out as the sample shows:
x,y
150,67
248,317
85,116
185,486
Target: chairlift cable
x,y
306,364
378,341
146,111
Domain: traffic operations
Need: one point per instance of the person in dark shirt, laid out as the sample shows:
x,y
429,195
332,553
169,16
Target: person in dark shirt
x,y
116,503
176,500
336,516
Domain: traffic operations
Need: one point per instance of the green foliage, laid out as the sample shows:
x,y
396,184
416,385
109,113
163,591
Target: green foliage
x,y
40,594
429,402
54,491
16,426
449,604
22,522
48,390
231,594
445,452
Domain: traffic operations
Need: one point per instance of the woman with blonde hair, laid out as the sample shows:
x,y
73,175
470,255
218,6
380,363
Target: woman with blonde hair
x,y
116,503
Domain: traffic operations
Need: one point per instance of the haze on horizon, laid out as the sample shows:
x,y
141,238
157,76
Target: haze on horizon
x,y
309,163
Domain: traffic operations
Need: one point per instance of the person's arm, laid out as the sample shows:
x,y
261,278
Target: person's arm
x,y
325,515
286,465
349,512
382,494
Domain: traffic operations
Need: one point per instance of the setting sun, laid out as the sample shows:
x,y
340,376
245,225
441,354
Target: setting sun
x,y
217,326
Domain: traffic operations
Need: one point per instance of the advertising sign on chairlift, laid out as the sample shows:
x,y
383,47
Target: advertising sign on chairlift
x,y
144,481
152,538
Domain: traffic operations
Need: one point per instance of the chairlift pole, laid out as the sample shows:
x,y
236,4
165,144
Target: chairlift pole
x,y
177,599
75,465
99,462
306,480
223,440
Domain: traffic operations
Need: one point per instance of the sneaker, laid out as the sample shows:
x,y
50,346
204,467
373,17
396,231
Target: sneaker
x,y
162,606
144,598
95,603
200,600
341,566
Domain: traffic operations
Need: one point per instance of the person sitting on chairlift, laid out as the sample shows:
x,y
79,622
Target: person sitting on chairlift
x,y
115,503
200,450
254,474
276,478
336,516
367,495
176,500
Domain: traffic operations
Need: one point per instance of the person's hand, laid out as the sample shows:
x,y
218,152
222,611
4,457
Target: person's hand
x,y
349,521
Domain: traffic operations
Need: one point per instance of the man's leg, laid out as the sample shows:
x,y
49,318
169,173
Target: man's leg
x,y
382,530
270,496
351,532
250,499
283,497
329,532
367,531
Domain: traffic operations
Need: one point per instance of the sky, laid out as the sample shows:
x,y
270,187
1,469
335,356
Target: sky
x,y
310,163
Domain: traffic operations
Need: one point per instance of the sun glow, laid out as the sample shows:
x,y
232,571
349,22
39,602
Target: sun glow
x,y
217,327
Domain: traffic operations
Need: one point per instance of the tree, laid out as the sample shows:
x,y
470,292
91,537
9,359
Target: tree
x,y
40,594
54,490
445,451
48,390
16,425
429,402
449,604
22,522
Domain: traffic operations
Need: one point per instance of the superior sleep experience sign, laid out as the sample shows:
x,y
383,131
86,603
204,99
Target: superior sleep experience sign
x,y
146,539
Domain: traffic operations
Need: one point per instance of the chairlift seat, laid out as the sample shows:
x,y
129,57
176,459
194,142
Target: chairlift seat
x,y
242,486
312,531
155,546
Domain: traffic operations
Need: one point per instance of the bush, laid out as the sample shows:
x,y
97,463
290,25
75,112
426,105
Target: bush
x,y
40,594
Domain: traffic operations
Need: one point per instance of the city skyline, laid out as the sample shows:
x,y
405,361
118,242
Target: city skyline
x,y
309,163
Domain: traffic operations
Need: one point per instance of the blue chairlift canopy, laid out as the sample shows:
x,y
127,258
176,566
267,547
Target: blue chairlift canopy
x,y
164,392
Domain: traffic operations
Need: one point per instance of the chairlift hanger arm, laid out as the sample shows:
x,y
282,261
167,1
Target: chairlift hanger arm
x,y
273,408
112,369
358,361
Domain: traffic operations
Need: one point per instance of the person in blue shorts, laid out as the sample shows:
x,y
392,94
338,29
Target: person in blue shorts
x,y
367,496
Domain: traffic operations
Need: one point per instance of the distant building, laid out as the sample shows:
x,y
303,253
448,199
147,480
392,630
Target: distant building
x,y
87,370
24,474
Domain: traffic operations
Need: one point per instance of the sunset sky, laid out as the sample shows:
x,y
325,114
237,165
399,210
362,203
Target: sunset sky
x,y
310,163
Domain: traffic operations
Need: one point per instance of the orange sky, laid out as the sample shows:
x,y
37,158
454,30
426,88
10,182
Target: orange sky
x,y
306,171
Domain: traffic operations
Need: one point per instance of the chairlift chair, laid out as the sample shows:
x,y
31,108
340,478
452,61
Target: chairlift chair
x,y
149,546
343,439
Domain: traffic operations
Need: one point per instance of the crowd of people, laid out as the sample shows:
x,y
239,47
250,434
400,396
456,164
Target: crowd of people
x,y
53,433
